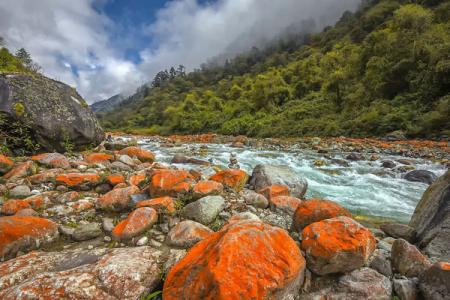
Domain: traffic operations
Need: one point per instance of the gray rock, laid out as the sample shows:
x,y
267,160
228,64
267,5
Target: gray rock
x,y
142,241
175,255
117,165
102,188
435,282
407,260
247,216
204,210
380,261
126,160
187,233
20,191
389,164
354,156
267,175
340,162
86,232
431,219
181,159
54,112
364,283
65,230
107,224
399,231
255,199
405,288
384,246
423,176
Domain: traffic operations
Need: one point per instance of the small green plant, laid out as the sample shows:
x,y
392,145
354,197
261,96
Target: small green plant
x,y
152,296
67,142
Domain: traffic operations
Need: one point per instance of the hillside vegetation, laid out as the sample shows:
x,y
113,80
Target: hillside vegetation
x,y
383,68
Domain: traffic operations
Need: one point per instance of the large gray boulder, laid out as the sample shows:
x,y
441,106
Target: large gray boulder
x,y
55,115
267,175
431,219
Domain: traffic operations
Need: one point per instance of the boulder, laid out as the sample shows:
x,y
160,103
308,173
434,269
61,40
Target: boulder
x,y
187,233
207,188
204,210
337,245
275,191
315,210
161,205
389,164
141,154
234,179
54,113
245,260
170,183
115,179
20,191
423,176
354,156
407,259
267,175
399,231
364,283
285,204
117,199
140,220
434,283
431,219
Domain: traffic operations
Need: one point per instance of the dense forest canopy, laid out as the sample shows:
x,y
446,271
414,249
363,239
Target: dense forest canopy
x,y
383,68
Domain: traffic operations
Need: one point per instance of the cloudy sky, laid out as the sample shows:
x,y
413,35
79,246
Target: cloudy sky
x,y
104,47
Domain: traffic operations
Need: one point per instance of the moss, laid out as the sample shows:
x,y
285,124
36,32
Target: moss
x,y
19,109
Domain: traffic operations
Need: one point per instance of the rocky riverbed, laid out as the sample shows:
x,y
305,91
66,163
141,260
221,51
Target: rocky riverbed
x,y
152,217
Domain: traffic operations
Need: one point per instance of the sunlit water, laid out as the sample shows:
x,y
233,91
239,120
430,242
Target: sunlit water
x,y
365,187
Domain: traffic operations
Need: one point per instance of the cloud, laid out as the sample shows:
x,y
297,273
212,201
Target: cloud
x,y
73,42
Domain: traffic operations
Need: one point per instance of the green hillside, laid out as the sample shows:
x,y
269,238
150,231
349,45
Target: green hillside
x,y
384,68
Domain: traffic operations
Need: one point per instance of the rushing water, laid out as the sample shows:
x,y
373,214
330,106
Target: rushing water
x,y
365,187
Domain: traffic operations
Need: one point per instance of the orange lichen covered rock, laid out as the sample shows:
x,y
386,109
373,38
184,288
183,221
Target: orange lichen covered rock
x,y
187,233
115,179
245,260
136,179
137,222
337,245
82,205
52,160
275,191
235,179
170,183
45,176
77,179
117,199
24,233
162,204
98,158
285,204
207,188
6,164
141,154
315,210
38,201
11,207
24,169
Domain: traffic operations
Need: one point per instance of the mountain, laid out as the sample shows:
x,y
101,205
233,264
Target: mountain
x,y
108,104
384,68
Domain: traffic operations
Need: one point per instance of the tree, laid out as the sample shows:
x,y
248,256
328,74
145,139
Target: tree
x,y
2,41
24,57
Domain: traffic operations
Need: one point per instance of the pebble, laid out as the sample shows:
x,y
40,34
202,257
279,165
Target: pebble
x,y
107,239
142,241
155,243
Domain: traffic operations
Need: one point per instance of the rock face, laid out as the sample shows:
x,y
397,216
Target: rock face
x,y
431,219
245,260
337,245
266,175
54,112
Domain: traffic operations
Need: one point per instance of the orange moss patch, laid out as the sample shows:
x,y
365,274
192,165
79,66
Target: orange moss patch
x,y
98,158
315,210
76,179
11,207
170,182
117,199
6,164
162,204
205,188
115,179
235,179
136,179
275,191
137,222
141,154
245,260
285,203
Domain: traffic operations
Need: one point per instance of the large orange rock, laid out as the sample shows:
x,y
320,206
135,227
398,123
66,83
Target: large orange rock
x,y
207,188
187,233
170,183
6,164
24,169
52,160
98,158
337,245
162,204
136,223
284,204
235,179
275,191
117,199
11,207
115,179
77,179
24,233
141,154
315,210
245,260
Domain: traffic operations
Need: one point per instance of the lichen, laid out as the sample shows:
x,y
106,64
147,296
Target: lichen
x,y
19,109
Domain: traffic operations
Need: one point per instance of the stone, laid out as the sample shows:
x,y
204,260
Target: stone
x,y
52,160
24,233
45,176
234,179
285,204
255,199
431,219
20,191
207,188
117,199
170,183
115,179
389,164
107,224
138,221
407,260
162,204
39,201
354,156
181,159
141,154
137,179
315,210
267,175
381,262
204,210
76,180
275,191
26,212
68,197
399,231
175,255
364,283
406,288
102,188
423,176
21,170
86,232
263,257
142,241
62,114
11,207
187,233
126,160
340,162
98,158
434,283
117,165
337,245
6,164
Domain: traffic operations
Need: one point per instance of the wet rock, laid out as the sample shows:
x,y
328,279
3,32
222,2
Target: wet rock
x,y
381,262
170,183
365,283
255,199
423,176
204,210
141,154
315,210
6,164
340,162
140,220
207,188
187,233
354,156
267,175
406,288
24,233
389,164
434,283
337,245
284,204
161,205
117,199
52,160
237,254
86,232
399,231
235,179
431,219
20,191
181,159
407,259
